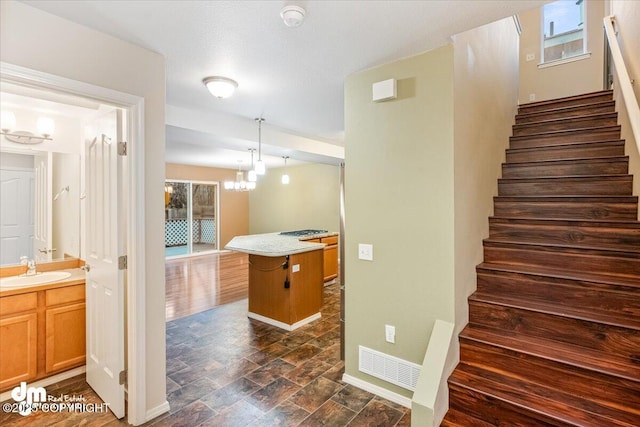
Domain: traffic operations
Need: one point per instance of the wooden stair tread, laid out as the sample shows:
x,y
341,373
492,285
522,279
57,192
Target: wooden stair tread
x,y
633,253
613,280
572,222
573,198
573,178
561,110
583,117
538,400
566,132
456,418
603,159
576,144
560,309
580,357
567,98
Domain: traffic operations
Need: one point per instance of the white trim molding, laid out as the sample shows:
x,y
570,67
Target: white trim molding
x,y
564,60
377,390
135,191
283,325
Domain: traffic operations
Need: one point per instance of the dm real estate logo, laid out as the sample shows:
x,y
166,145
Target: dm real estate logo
x,y
27,397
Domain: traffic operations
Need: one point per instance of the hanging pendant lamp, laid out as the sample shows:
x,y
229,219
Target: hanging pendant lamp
x,y
260,167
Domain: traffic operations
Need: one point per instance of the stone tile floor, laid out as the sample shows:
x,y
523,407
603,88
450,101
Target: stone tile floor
x,y
224,369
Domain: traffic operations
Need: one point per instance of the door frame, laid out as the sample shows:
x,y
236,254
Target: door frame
x,y
135,309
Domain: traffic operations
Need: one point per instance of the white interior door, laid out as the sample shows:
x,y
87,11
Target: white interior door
x,y
16,228
42,237
105,296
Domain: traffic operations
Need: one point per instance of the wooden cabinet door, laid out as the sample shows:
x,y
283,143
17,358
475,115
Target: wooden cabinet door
x,y
18,349
330,262
66,335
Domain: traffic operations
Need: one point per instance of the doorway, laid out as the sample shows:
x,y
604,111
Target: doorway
x,y
132,203
191,218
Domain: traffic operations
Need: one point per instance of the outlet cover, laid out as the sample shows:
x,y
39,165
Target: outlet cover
x,y
532,97
390,333
530,57
365,251
295,268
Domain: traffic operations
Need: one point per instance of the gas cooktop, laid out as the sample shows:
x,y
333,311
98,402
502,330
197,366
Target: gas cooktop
x,y
303,232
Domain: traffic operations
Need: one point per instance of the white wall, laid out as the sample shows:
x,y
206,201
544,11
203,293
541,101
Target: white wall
x,y
310,200
627,16
37,40
573,78
66,209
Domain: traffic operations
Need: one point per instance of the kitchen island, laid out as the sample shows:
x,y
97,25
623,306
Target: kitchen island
x,y
285,278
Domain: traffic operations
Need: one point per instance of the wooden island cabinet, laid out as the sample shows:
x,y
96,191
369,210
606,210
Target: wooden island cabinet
x,y
330,263
42,331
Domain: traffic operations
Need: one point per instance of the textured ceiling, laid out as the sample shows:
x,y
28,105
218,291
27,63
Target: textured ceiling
x,y
292,76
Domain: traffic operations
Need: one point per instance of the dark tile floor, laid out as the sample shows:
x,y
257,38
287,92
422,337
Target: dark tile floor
x,y
224,369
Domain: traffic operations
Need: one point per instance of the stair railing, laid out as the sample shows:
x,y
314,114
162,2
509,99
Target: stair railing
x,y
624,81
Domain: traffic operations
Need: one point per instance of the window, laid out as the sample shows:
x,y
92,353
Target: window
x,y
564,30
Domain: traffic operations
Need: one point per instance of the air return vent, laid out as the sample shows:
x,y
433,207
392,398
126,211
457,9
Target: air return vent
x,y
389,368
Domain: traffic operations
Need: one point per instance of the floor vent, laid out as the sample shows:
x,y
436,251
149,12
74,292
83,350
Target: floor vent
x,y
389,368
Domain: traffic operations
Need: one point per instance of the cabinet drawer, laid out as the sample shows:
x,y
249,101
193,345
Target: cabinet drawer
x,y
331,240
18,303
65,295
312,240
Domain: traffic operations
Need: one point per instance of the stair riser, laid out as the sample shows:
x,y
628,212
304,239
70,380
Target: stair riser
x,y
495,411
609,186
593,297
568,124
575,235
608,107
567,210
573,168
589,135
548,373
561,153
621,342
526,109
559,258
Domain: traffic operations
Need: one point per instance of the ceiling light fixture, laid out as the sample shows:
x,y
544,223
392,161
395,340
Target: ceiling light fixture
x,y
252,176
285,176
239,184
46,128
292,15
220,87
260,168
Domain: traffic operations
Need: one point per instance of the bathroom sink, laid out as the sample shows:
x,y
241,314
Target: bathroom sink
x,y
23,281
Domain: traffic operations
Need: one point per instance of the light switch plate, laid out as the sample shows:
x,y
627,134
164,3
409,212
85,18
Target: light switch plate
x,y
365,251
390,333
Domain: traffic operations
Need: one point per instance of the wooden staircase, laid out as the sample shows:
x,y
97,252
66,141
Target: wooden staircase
x,y
554,327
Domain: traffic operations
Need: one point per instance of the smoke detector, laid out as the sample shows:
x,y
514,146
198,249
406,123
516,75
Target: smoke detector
x,y
292,15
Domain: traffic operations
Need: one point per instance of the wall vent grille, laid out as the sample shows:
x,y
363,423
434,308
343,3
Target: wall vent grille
x,y
389,368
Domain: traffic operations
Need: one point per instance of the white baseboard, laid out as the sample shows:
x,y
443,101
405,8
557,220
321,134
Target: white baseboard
x,y
283,325
49,380
157,411
382,392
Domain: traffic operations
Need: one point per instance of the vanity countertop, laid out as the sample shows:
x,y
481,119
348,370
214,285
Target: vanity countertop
x,y
77,277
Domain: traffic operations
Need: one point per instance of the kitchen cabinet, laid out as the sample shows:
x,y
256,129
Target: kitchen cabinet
x,y
330,264
42,332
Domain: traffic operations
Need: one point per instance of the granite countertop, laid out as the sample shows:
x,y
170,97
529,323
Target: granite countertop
x,y
274,244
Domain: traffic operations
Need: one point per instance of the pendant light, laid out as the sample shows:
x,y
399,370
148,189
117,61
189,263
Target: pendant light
x,y
260,167
252,176
285,176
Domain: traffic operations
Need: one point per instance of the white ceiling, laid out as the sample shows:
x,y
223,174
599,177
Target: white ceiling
x,y
293,77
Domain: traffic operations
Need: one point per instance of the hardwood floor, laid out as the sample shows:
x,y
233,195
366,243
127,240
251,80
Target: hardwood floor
x,y
224,369
196,284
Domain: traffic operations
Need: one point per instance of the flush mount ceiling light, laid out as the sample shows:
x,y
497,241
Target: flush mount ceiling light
x,y
45,126
220,87
292,15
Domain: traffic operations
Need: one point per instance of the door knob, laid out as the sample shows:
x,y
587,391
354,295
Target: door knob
x,y
86,268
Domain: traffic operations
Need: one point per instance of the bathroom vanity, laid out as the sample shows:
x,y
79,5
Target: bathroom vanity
x,y
42,326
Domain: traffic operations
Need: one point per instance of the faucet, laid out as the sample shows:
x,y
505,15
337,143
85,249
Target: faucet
x,y
31,265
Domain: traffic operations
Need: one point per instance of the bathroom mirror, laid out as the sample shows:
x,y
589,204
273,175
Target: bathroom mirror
x,y
40,206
